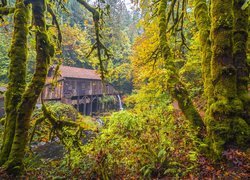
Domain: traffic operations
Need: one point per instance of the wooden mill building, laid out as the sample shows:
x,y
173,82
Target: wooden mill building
x,y
83,88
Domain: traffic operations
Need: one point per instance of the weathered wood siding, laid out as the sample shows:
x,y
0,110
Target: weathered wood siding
x,y
81,87
69,87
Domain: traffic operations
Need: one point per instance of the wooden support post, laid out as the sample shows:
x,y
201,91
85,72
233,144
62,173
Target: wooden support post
x,y
91,105
78,108
84,108
97,105
102,105
82,104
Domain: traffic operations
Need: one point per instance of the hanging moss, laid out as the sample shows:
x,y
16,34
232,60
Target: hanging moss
x,y
17,73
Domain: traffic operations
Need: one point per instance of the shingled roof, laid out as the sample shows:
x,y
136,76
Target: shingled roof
x,y
80,73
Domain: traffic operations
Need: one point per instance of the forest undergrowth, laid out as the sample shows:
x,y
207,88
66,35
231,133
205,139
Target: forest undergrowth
x,y
156,144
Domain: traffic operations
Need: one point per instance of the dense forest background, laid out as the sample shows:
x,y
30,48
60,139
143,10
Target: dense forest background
x,y
119,32
182,67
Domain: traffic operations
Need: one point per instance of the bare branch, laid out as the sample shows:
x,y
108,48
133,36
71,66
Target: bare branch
x,y
99,45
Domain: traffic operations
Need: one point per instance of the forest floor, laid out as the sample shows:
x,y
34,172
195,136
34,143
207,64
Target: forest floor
x,y
46,165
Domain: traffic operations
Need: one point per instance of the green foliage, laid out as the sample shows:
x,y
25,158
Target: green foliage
x,y
5,37
133,145
4,60
191,71
151,139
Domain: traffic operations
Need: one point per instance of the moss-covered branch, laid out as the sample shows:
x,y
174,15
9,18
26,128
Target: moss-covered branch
x,y
57,123
98,45
58,128
176,87
38,121
90,9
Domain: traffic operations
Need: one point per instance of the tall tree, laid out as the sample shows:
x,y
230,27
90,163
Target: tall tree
x,y
227,68
225,105
17,73
223,44
176,87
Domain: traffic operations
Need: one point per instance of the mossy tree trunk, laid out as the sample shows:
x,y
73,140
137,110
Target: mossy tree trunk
x,y
176,87
240,55
17,74
225,126
203,22
20,100
45,51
